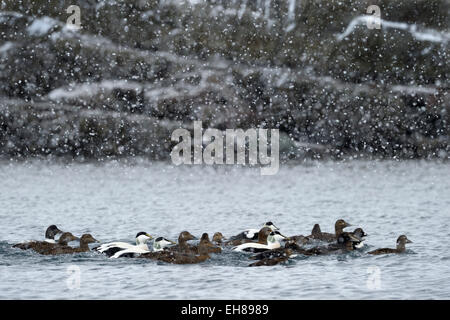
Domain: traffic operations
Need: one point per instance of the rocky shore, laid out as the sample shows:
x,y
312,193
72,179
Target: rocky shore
x,y
137,70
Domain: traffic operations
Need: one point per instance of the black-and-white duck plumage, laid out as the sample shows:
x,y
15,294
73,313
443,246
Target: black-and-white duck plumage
x,y
52,234
110,249
252,234
273,242
159,244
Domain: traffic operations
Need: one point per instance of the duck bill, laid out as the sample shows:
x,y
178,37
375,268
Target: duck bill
x,y
408,241
354,239
149,236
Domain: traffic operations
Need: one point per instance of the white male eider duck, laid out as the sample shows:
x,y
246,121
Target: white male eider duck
x,y
159,244
273,242
112,248
252,234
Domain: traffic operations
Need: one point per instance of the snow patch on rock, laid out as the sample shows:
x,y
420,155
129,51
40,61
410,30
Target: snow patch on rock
x,y
41,26
429,35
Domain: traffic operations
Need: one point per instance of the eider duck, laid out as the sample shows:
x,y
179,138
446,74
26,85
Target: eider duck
x,y
218,238
344,243
299,239
360,234
401,242
252,234
339,227
182,245
211,248
51,232
42,246
274,260
273,242
65,249
315,234
181,257
161,243
262,238
269,254
112,248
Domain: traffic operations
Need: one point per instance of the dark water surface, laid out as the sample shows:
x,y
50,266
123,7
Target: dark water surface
x,y
115,201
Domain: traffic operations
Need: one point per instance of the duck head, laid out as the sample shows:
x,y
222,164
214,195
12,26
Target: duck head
x,y
160,243
142,237
204,245
271,226
402,241
66,237
275,236
359,233
185,236
52,231
340,225
263,234
347,240
205,239
218,237
87,238
316,230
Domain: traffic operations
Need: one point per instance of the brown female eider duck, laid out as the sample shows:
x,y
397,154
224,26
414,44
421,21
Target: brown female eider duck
x,y
344,243
218,238
50,234
211,248
401,242
185,257
84,247
339,227
42,246
315,234
182,245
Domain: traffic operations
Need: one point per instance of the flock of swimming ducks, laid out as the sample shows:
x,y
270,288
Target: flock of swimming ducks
x,y
265,244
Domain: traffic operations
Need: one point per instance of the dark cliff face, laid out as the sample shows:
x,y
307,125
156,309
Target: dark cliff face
x,y
140,69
